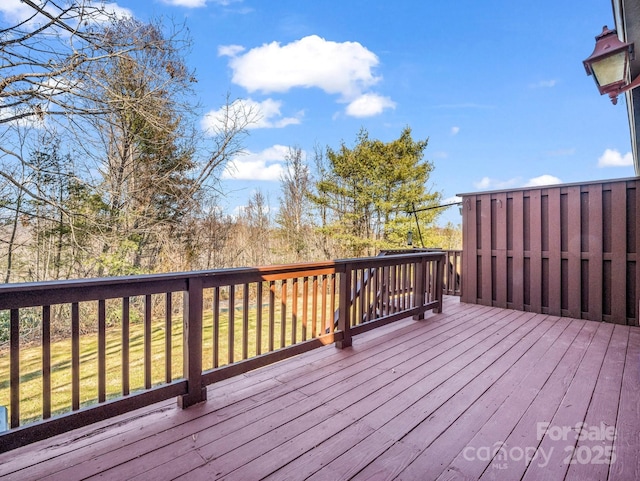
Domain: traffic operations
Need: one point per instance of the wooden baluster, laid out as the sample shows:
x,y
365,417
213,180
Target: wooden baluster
x,y
272,322
125,346
245,322
258,318
216,327
231,326
283,312
75,356
168,334
332,302
323,315
102,351
14,354
314,307
46,362
420,273
305,307
294,311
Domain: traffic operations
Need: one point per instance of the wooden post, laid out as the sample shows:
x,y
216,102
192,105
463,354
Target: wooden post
x,y
344,308
192,345
438,284
419,286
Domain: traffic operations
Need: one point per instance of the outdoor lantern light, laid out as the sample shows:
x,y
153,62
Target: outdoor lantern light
x,y
609,64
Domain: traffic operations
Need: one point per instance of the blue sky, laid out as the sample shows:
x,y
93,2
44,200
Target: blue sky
x,y
497,86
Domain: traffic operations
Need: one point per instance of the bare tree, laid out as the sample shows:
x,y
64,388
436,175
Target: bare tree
x,y
116,93
294,214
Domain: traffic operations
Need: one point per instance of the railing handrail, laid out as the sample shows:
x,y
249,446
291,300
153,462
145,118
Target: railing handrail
x,y
33,294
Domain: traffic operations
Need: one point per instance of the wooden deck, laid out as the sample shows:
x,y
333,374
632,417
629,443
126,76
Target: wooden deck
x,y
473,393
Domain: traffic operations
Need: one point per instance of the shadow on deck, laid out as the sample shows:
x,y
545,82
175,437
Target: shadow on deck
x,y
473,393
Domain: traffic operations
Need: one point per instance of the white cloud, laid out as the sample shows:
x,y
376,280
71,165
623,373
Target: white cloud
x,y
15,11
544,84
545,179
262,115
455,130
30,121
451,200
337,68
198,3
487,183
613,158
265,165
368,105
186,3
230,50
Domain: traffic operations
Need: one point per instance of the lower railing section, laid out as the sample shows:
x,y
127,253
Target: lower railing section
x,y
133,341
453,273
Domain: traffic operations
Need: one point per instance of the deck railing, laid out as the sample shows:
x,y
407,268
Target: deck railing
x,y
138,340
453,273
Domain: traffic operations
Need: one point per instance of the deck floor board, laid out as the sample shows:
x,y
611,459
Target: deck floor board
x,y
430,399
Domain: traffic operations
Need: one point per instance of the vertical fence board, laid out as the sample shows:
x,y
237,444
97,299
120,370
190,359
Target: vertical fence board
x,y
595,252
535,256
500,277
554,252
574,252
517,248
485,248
470,245
618,252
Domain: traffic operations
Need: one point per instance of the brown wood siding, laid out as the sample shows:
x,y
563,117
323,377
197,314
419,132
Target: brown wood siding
x,y
566,250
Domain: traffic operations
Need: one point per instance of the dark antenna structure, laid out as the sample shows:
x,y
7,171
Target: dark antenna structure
x,y
415,211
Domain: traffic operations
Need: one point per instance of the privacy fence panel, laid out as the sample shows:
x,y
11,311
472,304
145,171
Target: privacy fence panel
x,y
566,250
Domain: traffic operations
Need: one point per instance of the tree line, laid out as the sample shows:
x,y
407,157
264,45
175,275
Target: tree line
x,y
104,170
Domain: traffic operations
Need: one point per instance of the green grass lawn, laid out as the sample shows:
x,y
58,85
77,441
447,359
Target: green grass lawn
x,y
31,360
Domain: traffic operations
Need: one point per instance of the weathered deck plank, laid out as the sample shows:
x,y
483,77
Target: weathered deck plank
x,y
408,401
627,431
